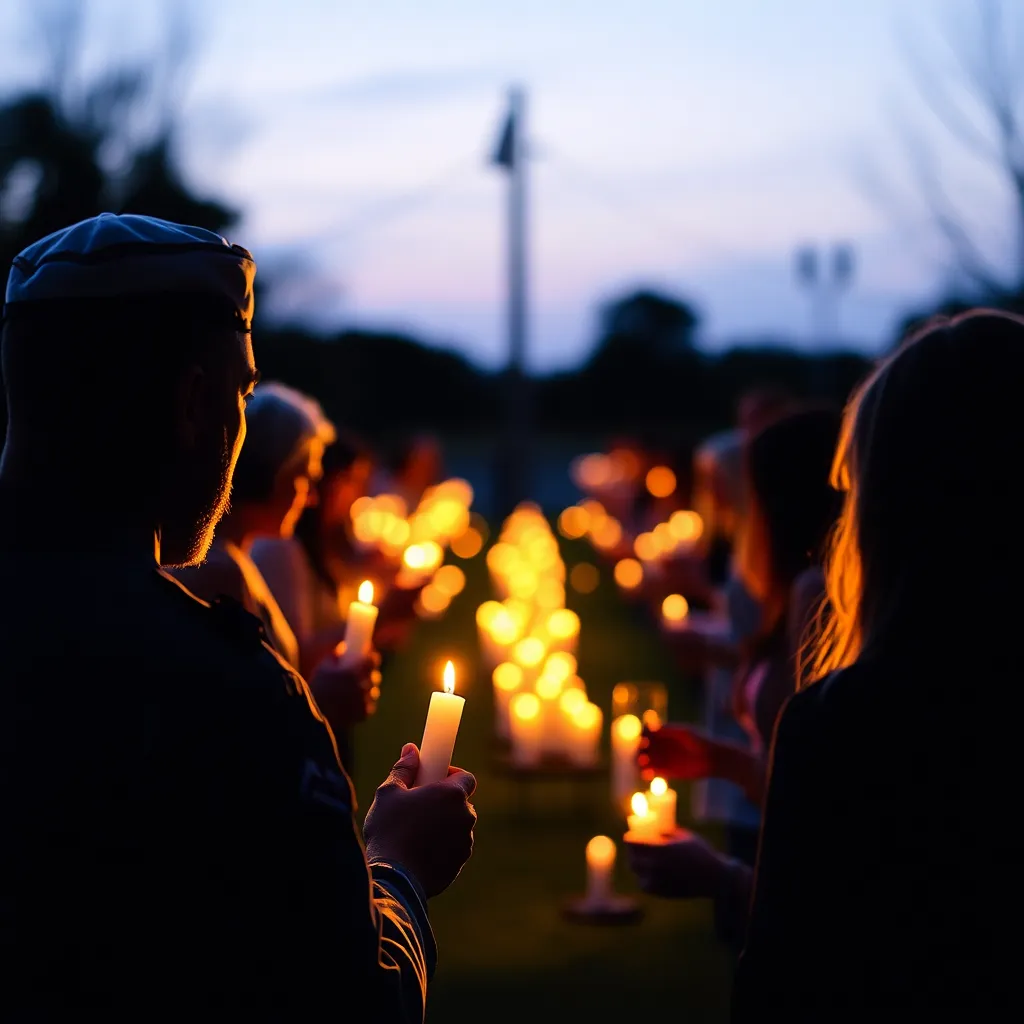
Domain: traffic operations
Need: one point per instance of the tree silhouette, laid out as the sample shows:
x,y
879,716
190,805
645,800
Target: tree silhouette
x,y
72,148
977,101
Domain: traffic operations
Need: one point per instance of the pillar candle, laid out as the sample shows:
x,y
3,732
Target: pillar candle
x,y
526,728
662,802
585,735
643,823
362,617
625,746
443,718
508,680
600,862
552,733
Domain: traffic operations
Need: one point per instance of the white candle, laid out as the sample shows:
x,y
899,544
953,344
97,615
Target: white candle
x,y
508,680
585,735
600,862
443,718
526,728
549,690
362,617
662,802
643,823
626,731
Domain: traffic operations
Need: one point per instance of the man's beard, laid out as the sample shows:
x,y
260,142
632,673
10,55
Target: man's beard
x,y
203,499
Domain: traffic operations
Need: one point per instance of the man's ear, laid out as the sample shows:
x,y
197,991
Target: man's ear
x,y
190,405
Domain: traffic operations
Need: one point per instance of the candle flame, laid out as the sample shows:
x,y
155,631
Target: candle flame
x,y
639,805
449,678
659,787
365,592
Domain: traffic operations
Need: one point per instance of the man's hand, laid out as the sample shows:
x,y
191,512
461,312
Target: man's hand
x,y
675,752
428,831
346,693
686,869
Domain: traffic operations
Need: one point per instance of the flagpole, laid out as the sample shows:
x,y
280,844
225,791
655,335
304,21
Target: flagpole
x,y
513,484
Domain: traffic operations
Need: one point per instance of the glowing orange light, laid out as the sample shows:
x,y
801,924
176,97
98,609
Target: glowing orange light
x,y
639,805
584,578
365,592
606,534
525,706
469,544
659,787
507,676
449,678
573,522
629,573
628,728
686,526
647,548
661,481
675,608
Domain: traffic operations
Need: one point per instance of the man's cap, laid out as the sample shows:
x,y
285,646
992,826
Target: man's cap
x,y
133,257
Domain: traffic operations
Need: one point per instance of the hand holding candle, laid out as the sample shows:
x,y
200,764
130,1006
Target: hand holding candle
x,y
440,731
362,617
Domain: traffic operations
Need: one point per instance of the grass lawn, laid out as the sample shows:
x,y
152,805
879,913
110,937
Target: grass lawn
x,y
504,952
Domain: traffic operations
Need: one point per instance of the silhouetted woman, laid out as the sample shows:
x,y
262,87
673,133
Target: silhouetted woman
x,y
886,878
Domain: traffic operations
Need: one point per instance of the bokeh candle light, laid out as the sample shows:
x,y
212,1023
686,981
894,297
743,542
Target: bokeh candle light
x,y
626,731
526,727
600,864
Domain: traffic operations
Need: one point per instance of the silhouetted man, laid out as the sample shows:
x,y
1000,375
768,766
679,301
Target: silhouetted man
x,y
177,831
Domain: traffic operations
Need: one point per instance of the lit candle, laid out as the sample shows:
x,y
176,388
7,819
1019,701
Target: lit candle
x,y
443,718
507,679
563,629
674,611
625,746
362,617
585,735
526,728
662,802
643,823
600,861
549,690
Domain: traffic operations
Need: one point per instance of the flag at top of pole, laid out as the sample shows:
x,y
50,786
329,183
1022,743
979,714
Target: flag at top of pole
x,y
506,153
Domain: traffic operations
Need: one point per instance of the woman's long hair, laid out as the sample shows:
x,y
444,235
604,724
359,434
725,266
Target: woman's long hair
x,y
930,449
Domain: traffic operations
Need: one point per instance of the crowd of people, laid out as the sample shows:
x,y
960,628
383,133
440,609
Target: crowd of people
x,y
175,542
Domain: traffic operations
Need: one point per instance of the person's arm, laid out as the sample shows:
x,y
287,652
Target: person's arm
x,y
348,928
795,879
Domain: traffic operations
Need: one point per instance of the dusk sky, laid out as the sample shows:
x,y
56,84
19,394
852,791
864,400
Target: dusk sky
x,y
687,145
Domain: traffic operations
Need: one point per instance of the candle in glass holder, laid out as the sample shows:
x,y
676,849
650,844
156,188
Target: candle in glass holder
x,y
662,802
643,824
626,731
507,679
440,731
526,728
600,863
362,617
